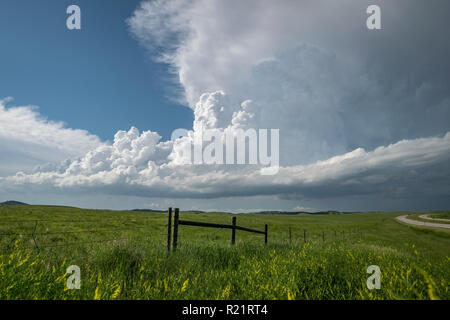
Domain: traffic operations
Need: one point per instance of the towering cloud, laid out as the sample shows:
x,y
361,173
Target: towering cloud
x,y
310,68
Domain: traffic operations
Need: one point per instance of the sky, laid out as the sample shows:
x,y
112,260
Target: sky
x,y
86,116
96,79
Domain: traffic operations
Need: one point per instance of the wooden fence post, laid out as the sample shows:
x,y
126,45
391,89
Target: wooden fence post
x,y
169,229
290,235
265,234
233,231
32,236
175,229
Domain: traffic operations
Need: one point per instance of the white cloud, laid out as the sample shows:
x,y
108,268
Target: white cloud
x,y
404,165
27,139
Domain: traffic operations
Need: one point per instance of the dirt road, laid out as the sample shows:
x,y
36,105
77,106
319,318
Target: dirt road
x,y
423,224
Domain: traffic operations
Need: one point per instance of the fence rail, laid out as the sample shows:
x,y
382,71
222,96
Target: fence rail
x,y
232,226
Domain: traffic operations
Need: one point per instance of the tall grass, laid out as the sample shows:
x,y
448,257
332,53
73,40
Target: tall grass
x,y
414,264
303,271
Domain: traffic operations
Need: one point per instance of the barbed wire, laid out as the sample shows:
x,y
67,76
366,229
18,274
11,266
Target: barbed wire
x,y
80,243
73,232
313,236
95,218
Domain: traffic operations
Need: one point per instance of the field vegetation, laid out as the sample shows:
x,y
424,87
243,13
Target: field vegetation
x,y
123,255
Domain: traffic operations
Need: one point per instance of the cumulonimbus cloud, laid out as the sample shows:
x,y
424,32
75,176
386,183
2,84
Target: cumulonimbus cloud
x,y
311,68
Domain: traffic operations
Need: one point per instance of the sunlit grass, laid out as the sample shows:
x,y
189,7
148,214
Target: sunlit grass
x,y
414,264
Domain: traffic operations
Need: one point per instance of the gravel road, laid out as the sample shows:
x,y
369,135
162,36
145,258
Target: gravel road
x,y
420,223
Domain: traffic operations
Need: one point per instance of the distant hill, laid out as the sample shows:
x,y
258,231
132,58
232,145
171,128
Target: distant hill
x,y
13,203
299,212
277,212
258,212
148,210
165,211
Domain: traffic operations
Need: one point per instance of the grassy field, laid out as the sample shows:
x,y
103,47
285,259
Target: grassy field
x,y
123,255
440,215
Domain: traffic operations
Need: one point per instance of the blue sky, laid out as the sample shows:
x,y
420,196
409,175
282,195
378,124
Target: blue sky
x,y
362,114
98,78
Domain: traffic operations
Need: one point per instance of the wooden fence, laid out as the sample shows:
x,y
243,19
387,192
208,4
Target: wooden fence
x,y
177,222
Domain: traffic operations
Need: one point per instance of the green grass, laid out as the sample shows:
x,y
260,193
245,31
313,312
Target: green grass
x,y
40,242
440,215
